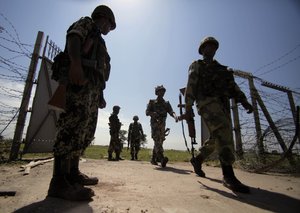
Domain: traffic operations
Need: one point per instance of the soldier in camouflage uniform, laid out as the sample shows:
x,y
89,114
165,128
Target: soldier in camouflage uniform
x,y
114,130
84,95
158,110
135,134
211,85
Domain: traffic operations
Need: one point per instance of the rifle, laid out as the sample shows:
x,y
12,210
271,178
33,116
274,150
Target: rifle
x,y
189,117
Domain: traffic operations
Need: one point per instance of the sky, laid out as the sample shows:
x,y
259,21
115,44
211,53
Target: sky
x,y
155,41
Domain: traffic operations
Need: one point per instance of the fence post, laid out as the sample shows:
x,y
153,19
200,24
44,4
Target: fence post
x,y
237,130
254,94
26,98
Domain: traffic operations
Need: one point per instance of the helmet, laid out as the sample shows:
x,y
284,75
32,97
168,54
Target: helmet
x,y
104,11
158,88
207,40
135,117
115,108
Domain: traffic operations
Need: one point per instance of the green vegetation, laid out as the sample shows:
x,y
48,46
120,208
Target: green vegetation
x,y
100,152
250,162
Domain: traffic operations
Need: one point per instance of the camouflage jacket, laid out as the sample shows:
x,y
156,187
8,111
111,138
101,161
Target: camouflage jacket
x,y
160,109
209,81
135,131
114,124
89,34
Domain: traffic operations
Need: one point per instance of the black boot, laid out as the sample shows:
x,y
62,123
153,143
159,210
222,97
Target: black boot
x,y
197,164
110,158
135,156
231,182
60,187
153,159
164,161
78,177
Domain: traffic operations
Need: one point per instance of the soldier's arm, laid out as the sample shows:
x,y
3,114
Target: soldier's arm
x,y
76,75
149,110
240,97
191,88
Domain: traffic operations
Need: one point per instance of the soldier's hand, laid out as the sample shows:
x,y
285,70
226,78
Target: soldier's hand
x,y
176,119
102,103
248,107
76,75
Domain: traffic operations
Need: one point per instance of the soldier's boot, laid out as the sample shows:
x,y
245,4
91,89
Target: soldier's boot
x,y
135,156
78,177
153,160
60,187
110,158
231,182
164,161
197,164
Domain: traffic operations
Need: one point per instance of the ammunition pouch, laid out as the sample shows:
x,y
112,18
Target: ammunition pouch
x,y
61,65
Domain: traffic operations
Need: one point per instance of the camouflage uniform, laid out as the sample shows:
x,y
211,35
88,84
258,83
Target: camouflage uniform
x,y
82,72
76,127
160,108
115,142
211,85
135,134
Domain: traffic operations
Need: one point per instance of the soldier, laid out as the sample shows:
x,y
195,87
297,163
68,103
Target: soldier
x,y
158,110
211,85
114,130
84,95
135,135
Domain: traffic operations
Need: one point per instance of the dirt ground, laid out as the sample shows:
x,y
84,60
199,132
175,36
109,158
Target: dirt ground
x,y
137,186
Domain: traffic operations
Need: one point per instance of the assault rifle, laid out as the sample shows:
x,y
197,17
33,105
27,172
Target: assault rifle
x,y
189,117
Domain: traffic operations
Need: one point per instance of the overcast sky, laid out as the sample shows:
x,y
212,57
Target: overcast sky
x,y
156,40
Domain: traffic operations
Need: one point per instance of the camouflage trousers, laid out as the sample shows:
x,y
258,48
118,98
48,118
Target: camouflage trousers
x,y
221,137
114,144
76,127
135,146
158,136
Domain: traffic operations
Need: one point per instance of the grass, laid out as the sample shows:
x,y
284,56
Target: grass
x,y
250,162
100,152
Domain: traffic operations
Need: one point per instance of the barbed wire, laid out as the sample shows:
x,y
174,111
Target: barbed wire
x,y
277,59
13,55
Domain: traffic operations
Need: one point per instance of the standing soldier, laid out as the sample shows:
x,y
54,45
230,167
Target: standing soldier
x,y
114,130
135,134
211,85
84,95
158,110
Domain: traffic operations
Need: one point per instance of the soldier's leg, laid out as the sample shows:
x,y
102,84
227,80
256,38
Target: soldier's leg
x,y
132,150
60,186
68,143
154,155
204,152
137,149
221,131
110,149
160,154
118,149
76,174
155,137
